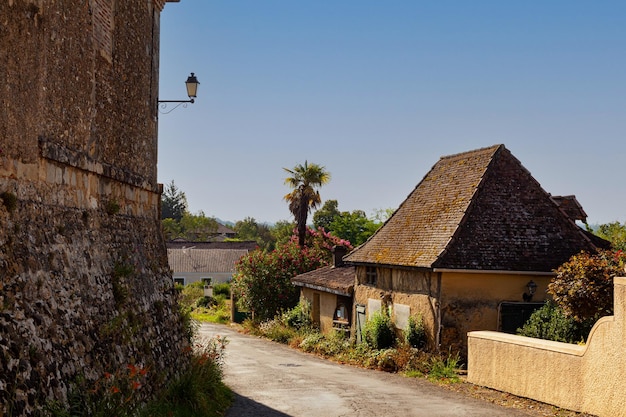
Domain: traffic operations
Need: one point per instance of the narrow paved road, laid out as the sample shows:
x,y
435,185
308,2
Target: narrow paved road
x,y
272,380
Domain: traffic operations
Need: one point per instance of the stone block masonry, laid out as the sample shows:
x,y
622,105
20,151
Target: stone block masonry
x,y
85,288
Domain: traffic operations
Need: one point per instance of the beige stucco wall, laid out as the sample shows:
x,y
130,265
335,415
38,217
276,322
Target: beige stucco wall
x,y
581,378
328,303
469,301
450,303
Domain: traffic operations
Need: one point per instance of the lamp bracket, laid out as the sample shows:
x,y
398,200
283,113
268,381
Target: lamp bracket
x,y
163,105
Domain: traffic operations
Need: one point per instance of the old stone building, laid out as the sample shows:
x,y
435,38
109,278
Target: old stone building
x,y
473,244
85,286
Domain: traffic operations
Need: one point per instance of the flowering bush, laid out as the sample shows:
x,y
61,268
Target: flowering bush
x,y
262,281
113,394
583,286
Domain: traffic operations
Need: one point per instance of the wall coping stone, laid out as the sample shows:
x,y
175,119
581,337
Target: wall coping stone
x,y
567,348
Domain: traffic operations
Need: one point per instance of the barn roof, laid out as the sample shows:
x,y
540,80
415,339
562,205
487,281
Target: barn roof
x,y
477,210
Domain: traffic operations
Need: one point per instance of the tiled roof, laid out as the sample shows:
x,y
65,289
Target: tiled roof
x,y
570,206
204,260
224,230
338,280
478,210
181,243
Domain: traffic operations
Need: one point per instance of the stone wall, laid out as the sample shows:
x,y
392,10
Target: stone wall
x,y
85,288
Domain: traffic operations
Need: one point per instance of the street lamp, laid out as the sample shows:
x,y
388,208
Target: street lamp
x,y
192,86
192,90
532,288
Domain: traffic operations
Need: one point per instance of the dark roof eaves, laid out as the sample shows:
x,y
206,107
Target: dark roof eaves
x,y
394,266
322,288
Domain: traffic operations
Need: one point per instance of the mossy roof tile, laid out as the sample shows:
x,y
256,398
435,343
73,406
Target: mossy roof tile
x,y
476,210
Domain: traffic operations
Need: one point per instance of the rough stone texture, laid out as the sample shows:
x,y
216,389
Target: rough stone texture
x,y
85,287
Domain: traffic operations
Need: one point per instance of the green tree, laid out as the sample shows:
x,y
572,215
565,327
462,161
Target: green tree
x,y
171,229
192,227
198,227
326,214
353,226
381,215
304,181
249,230
282,231
173,202
614,232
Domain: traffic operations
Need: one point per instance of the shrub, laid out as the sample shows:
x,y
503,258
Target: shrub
x,y
412,361
112,207
444,370
333,344
300,316
415,333
262,282
199,391
550,323
583,286
275,330
222,288
311,342
9,200
190,294
379,331
386,360
206,302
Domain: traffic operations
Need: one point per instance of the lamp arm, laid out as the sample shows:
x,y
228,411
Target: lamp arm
x,y
177,101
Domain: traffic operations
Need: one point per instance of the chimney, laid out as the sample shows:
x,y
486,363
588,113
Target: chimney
x,y
338,253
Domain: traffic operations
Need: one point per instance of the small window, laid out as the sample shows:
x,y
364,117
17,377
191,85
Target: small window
x,y
341,313
180,281
371,275
206,281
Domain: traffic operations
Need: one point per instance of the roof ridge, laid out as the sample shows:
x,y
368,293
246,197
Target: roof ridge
x,y
474,151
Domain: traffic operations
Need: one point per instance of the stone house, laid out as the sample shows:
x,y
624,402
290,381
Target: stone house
x,y
476,238
329,291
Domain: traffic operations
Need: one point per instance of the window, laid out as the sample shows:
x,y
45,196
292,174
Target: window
x,y
371,275
178,280
513,315
206,281
341,313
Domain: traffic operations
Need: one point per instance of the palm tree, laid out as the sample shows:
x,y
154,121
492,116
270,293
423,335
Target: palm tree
x,y
304,179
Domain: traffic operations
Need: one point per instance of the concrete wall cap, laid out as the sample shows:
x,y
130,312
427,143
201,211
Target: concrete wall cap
x,y
567,348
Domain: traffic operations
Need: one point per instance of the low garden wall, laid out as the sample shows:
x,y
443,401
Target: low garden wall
x,y
586,378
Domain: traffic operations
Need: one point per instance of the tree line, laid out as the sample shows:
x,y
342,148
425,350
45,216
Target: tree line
x,y
304,181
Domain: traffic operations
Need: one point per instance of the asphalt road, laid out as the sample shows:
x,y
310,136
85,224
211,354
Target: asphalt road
x,y
272,380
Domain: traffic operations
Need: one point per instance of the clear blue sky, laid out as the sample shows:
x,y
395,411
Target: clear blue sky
x,y
376,91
